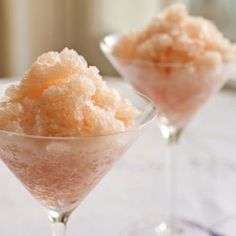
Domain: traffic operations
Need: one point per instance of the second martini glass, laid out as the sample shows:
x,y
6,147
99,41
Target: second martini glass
x,y
179,91
61,171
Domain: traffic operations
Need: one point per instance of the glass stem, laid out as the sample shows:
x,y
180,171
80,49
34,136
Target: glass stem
x,y
58,229
171,136
170,181
58,221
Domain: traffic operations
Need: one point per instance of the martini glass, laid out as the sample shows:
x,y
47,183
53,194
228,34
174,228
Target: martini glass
x,y
179,91
60,171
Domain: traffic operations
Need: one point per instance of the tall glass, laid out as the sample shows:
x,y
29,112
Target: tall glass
x,y
179,91
61,171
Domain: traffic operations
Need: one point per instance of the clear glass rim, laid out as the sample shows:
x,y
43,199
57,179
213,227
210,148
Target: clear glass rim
x,y
133,129
106,49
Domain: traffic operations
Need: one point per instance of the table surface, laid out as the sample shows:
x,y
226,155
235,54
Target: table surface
x,y
135,187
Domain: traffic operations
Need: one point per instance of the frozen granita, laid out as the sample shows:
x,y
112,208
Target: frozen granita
x,y
60,95
178,60
62,128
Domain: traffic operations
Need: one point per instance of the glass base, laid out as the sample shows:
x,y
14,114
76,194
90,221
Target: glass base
x,y
227,227
173,227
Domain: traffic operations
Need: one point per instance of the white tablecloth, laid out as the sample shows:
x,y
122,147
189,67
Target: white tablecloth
x,y
135,187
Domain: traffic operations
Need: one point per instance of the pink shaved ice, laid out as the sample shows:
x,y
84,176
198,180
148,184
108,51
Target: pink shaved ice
x,y
60,95
176,37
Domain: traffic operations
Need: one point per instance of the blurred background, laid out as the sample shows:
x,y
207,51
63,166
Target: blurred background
x,y
29,28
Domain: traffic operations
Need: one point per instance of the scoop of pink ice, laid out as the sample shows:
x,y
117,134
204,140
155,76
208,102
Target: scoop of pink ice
x,y
60,95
